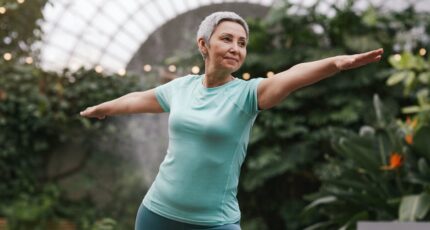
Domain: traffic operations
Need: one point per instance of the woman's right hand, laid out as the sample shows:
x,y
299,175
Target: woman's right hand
x,y
92,112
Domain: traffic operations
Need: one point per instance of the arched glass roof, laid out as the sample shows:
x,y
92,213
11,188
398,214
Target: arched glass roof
x,y
106,33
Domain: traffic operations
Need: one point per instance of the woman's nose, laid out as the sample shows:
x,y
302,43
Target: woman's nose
x,y
234,48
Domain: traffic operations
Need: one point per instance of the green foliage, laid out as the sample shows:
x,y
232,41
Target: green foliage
x,y
20,26
105,224
32,212
354,181
289,140
413,72
39,113
39,122
414,207
376,175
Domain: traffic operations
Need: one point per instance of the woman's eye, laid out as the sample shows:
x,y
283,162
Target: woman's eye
x,y
226,39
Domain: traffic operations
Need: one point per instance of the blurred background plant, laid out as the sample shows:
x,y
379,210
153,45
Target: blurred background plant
x,y
382,172
39,117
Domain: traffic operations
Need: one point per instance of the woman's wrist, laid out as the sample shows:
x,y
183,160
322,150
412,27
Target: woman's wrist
x,y
338,63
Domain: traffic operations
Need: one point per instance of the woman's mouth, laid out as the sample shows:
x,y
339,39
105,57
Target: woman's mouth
x,y
233,59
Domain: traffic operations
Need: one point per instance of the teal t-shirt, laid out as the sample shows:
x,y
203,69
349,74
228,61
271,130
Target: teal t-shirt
x,y
208,136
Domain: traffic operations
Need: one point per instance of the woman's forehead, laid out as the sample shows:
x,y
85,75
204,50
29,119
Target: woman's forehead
x,y
230,27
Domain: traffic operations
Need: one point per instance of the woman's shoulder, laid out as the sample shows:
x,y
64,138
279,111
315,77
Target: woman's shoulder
x,y
240,83
183,81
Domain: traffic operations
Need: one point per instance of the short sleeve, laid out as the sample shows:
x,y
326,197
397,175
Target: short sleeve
x,y
250,96
164,94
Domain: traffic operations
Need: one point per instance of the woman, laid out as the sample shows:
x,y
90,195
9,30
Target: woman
x,y
210,119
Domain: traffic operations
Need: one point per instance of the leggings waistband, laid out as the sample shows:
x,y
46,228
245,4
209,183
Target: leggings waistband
x,y
148,220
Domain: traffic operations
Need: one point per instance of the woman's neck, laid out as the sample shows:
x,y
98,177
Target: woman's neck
x,y
216,78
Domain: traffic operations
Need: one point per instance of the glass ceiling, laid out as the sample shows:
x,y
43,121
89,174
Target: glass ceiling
x,y
107,33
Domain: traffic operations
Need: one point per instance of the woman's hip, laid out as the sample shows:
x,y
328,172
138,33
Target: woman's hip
x,y
148,220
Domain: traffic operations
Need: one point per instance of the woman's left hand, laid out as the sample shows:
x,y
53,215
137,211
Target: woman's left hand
x,y
345,62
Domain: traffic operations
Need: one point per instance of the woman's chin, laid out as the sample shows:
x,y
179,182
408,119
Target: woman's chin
x,y
231,68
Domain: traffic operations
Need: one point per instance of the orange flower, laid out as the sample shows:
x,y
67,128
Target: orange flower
x,y
409,139
396,160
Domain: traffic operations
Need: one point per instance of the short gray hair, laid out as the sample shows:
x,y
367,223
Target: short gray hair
x,y
208,25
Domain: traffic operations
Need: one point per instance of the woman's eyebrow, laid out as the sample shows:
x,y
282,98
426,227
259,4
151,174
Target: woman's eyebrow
x,y
231,35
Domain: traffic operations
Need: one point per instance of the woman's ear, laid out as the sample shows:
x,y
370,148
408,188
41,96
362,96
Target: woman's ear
x,y
202,46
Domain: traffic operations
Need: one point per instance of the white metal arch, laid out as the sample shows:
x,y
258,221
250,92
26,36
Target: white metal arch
x,y
107,33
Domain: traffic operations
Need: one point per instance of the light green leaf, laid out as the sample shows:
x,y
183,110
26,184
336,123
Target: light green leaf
x,y
396,78
414,207
410,79
423,166
322,200
424,77
411,109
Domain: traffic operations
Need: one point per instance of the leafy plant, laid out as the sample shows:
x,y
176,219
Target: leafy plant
x,y
376,175
413,71
39,113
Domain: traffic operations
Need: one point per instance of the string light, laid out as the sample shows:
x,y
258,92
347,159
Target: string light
x,y
195,70
121,72
270,74
423,51
147,68
246,76
98,69
172,68
29,60
20,1
2,10
7,56
397,57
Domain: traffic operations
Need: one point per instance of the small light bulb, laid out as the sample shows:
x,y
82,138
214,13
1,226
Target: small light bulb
x,y
270,74
20,1
2,10
121,72
195,70
29,60
172,68
147,68
7,56
98,69
423,51
246,76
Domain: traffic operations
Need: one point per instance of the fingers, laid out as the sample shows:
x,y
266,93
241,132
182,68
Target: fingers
x,y
371,56
85,112
88,112
376,54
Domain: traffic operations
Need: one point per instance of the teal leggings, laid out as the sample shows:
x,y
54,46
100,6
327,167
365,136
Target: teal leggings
x,y
147,220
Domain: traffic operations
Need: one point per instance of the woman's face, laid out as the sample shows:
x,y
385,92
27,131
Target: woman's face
x,y
227,46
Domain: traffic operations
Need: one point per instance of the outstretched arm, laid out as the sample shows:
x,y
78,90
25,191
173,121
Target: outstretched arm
x,y
273,90
136,102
